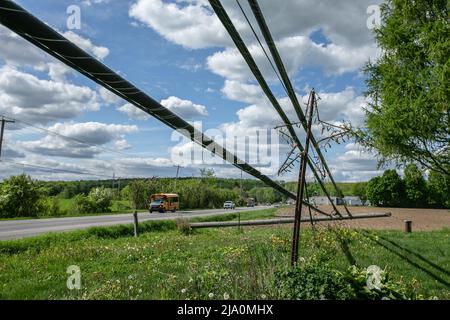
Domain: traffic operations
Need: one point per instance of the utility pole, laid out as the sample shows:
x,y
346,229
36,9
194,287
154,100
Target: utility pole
x,y
301,182
241,185
113,178
2,130
176,177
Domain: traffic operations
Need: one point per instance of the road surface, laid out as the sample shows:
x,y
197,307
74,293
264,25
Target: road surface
x,y
13,229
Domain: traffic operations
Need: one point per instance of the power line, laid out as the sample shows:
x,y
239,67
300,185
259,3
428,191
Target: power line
x,y
291,93
44,37
80,141
2,129
54,170
241,46
261,45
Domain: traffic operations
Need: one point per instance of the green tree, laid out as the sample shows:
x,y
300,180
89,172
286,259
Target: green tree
x,y
360,189
415,187
101,197
139,194
20,197
438,190
408,86
387,190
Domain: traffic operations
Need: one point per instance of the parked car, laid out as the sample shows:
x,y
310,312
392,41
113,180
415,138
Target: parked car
x,y
229,205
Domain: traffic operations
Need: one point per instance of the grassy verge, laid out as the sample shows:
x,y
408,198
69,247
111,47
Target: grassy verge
x,y
165,264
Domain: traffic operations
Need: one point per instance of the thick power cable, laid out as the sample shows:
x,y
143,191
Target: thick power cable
x,y
35,31
288,85
241,46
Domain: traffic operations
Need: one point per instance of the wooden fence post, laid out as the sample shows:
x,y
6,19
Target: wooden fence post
x,y
135,216
408,226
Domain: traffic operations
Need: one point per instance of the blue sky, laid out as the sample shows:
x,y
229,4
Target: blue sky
x,y
179,54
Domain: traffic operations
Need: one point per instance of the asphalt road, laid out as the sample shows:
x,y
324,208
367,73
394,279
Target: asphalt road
x,y
13,229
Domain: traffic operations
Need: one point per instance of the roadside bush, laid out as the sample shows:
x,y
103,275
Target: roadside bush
x,y
184,226
49,207
114,232
101,198
19,197
84,204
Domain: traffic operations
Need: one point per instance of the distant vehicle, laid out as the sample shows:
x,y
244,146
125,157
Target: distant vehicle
x,y
250,202
277,205
229,205
163,202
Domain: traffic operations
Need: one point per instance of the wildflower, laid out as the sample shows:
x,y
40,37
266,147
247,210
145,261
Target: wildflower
x,y
263,296
190,279
183,290
211,295
130,277
140,290
226,296
131,287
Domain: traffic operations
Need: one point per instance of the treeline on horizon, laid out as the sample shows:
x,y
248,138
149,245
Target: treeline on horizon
x,y
69,189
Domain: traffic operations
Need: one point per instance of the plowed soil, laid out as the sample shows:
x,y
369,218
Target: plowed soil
x,y
422,219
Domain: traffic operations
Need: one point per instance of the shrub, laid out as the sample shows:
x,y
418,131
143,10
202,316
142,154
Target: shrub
x,y
101,198
84,204
184,226
313,279
49,206
19,197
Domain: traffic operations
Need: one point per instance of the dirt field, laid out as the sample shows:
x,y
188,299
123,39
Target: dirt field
x,y
422,219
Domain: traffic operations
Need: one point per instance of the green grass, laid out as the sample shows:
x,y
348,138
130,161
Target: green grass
x,y
162,263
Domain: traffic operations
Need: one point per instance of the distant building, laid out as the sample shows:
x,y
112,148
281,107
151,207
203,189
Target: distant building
x,y
321,201
353,201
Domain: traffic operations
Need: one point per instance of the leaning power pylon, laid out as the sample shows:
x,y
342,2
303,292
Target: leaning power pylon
x,y
41,35
298,152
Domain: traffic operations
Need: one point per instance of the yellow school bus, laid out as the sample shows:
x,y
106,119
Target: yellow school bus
x,y
163,202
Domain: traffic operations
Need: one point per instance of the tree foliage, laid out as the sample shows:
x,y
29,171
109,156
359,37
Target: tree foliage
x,y
387,190
408,86
415,187
412,191
20,196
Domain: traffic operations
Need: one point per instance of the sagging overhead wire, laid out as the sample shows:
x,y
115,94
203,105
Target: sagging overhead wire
x,y
54,170
261,45
288,85
41,35
234,34
79,141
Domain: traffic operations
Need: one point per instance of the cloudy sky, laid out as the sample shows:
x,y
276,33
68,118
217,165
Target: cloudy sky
x,y
67,127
